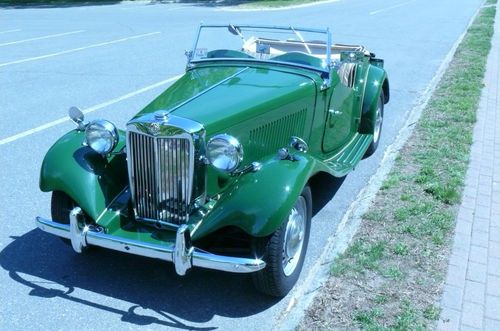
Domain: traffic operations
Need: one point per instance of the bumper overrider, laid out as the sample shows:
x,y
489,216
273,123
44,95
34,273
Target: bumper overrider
x,y
181,253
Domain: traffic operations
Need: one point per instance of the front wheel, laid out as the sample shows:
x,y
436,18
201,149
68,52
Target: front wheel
x,y
61,206
285,249
377,130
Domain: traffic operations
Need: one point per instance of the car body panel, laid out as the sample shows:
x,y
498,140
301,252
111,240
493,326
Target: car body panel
x,y
93,181
376,80
88,178
239,93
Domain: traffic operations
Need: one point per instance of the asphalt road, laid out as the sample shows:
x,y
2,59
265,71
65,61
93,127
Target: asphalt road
x,y
111,61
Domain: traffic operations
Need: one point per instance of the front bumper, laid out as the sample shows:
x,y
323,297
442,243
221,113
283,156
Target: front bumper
x,y
181,253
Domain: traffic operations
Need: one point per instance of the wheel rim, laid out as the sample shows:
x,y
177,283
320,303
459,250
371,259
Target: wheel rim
x,y
378,122
294,236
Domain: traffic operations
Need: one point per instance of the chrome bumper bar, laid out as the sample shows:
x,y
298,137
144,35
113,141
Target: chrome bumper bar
x,y
182,254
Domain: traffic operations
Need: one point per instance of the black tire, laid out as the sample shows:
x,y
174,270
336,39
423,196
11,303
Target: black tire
x,y
376,137
272,280
60,206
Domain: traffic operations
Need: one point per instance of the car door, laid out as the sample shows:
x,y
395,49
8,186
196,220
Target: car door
x,y
339,124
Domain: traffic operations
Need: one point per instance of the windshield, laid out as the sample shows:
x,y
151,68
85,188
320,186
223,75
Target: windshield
x,y
297,46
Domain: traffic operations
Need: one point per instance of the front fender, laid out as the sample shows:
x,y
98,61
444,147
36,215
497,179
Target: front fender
x,y
376,83
258,202
90,179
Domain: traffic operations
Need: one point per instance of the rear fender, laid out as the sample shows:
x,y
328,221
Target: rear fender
x,y
90,179
376,83
258,202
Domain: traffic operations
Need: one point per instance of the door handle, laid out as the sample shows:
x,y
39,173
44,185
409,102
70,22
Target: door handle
x,y
334,112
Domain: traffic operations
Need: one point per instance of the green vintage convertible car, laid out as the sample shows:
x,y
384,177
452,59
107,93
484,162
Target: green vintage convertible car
x,y
215,172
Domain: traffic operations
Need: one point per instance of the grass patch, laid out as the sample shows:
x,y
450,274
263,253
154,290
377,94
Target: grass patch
x,y
391,275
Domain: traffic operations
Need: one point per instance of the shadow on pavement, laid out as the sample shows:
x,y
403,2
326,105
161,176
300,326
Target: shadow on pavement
x,y
24,4
51,269
20,4
324,187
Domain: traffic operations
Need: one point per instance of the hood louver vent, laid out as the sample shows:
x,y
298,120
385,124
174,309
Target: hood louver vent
x,y
274,135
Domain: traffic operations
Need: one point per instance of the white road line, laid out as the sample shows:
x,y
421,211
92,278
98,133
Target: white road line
x,y
77,49
391,7
40,38
8,31
86,111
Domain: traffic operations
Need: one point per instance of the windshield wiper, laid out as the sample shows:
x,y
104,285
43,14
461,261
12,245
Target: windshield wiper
x,y
301,39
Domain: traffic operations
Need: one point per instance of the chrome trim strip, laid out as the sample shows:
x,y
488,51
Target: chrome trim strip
x,y
258,61
190,256
277,27
55,228
206,90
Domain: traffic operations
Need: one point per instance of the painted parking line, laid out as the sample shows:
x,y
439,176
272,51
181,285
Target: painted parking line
x,y
41,57
42,37
87,110
9,31
391,7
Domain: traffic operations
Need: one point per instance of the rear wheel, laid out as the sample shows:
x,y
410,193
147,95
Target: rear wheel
x,y
285,249
377,130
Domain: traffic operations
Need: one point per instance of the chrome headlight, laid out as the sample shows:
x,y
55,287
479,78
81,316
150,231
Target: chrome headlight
x,y
224,152
101,136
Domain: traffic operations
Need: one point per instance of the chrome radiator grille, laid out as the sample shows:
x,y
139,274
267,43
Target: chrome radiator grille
x,y
161,171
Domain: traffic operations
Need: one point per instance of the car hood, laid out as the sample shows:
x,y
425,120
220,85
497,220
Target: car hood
x,y
219,97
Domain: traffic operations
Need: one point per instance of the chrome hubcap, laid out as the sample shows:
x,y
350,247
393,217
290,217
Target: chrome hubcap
x,y
378,122
294,236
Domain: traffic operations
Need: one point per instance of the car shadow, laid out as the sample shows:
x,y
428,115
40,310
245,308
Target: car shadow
x,y
51,269
22,4
324,187
30,4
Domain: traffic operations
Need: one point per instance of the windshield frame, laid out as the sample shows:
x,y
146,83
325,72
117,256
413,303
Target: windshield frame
x,y
293,30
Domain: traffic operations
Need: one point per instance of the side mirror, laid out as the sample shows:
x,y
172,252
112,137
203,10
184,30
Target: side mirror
x,y
76,115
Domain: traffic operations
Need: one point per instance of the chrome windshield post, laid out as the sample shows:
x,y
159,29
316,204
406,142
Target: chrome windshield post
x,y
328,48
192,53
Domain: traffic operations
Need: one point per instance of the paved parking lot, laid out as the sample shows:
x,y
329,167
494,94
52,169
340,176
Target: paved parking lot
x,y
111,60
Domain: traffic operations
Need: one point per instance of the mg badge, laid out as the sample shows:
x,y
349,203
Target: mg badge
x,y
154,129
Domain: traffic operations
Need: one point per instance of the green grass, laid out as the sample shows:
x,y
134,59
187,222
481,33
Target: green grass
x,y
432,313
394,268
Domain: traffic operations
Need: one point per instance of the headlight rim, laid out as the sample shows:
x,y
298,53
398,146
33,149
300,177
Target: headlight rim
x,y
110,128
231,140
